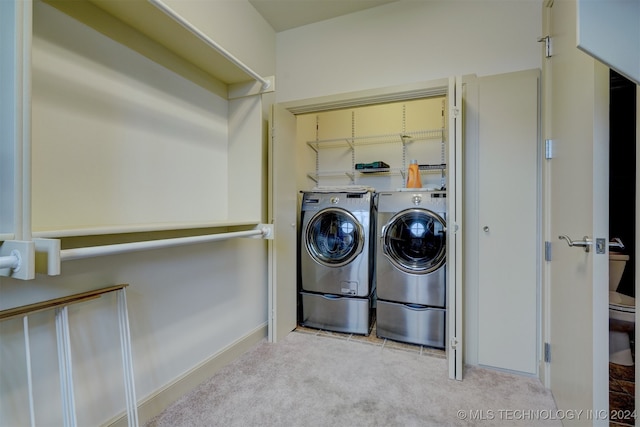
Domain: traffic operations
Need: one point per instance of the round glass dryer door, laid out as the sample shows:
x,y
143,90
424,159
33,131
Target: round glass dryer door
x,y
334,237
415,241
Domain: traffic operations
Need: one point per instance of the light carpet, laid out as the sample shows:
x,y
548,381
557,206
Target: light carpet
x,y
310,380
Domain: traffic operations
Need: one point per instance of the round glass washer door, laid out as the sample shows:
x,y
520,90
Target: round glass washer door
x,y
414,241
334,237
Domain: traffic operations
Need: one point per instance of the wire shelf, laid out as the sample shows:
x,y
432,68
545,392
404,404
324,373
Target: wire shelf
x,y
400,137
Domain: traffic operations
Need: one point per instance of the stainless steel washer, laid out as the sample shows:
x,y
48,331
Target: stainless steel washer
x,y
410,266
336,260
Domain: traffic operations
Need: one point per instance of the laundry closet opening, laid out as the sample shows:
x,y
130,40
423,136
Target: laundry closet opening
x,y
355,200
373,145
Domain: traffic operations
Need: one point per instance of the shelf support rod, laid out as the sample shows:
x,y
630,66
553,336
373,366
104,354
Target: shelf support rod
x,y
215,46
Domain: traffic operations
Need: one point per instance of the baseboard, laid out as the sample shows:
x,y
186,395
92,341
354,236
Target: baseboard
x,y
154,404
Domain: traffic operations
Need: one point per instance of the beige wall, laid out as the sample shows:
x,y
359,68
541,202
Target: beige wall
x,y
406,42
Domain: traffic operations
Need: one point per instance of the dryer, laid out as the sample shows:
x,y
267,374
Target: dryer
x,y
336,258
410,267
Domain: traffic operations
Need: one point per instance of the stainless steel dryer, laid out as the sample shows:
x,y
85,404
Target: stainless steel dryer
x,y
336,260
410,267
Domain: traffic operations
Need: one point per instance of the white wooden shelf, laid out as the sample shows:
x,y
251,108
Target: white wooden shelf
x,y
131,21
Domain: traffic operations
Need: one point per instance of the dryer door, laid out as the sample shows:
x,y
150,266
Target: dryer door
x,y
414,241
334,237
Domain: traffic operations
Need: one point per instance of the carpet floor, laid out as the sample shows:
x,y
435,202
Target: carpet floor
x,y
309,379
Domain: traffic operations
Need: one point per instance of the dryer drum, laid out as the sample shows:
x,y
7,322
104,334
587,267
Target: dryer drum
x,y
334,237
414,241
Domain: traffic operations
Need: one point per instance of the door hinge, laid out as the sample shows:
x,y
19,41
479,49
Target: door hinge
x,y
547,352
548,149
455,111
547,251
547,45
454,343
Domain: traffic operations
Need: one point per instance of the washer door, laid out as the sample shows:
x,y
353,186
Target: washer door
x,y
414,241
334,237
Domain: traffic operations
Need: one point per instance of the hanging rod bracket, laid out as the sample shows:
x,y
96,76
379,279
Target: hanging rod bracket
x,y
47,256
17,259
267,231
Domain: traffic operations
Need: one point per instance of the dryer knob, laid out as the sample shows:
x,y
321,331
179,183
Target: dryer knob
x,y
417,199
335,200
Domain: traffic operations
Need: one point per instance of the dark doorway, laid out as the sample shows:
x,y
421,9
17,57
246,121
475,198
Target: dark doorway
x,y
622,172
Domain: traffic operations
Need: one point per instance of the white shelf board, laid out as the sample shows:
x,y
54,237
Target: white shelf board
x,y
130,22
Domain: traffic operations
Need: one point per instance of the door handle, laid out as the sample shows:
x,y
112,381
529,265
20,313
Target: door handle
x,y
616,243
585,243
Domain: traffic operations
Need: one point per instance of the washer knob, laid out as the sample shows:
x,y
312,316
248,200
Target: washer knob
x,y
417,199
334,200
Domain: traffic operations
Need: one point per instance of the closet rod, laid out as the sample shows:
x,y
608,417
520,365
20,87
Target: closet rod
x,y
12,261
120,248
215,46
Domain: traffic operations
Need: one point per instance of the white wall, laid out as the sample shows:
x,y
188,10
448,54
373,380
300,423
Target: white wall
x,y
186,304
407,42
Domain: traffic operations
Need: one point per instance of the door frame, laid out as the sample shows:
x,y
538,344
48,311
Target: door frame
x,y
404,93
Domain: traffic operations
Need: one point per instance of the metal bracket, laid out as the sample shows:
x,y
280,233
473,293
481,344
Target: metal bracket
x,y
547,352
548,149
547,251
547,45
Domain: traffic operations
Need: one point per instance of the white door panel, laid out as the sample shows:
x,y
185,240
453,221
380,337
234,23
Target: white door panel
x,y
576,119
508,221
283,208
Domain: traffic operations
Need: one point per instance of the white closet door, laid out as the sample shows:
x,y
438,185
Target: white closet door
x,y
508,221
283,211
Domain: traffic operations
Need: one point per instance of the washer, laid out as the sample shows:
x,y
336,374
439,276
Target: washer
x,y
336,260
410,267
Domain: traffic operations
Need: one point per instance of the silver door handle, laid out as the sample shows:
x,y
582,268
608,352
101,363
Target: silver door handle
x,y
586,243
486,229
616,243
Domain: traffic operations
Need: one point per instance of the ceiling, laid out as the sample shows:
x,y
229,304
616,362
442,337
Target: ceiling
x,y
286,14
